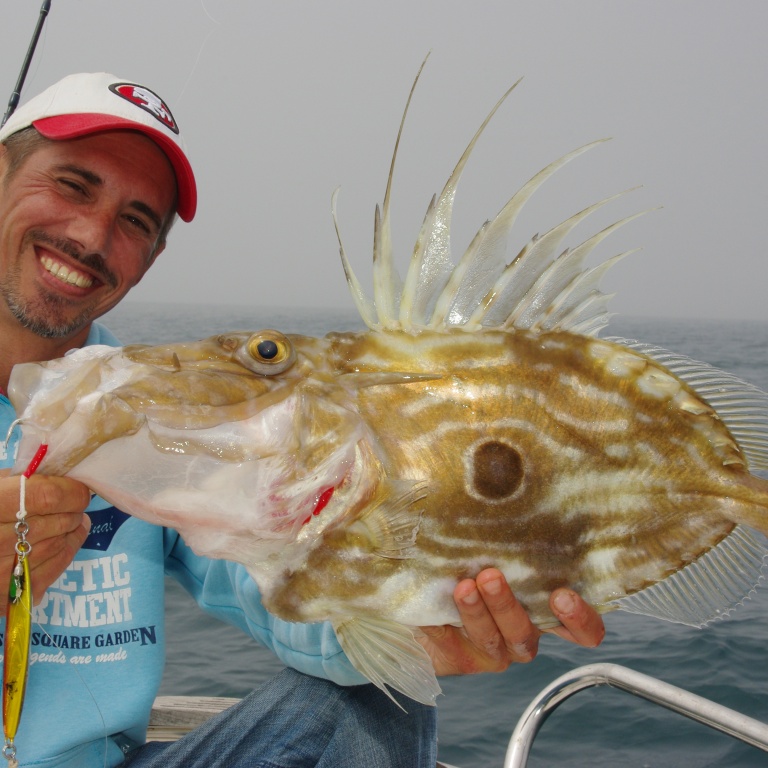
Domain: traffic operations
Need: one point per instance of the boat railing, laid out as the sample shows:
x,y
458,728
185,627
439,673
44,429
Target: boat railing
x,y
684,702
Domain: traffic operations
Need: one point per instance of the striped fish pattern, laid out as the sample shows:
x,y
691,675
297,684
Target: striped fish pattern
x,y
479,421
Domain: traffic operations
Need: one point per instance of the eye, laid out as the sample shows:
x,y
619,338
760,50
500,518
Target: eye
x,y
139,224
267,352
72,186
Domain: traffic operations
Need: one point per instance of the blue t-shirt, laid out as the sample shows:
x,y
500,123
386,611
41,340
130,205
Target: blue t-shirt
x,y
98,634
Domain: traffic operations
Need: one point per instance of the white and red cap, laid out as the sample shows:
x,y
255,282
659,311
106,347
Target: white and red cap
x,y
89,103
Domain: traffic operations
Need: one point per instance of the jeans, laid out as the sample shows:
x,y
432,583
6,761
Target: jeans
x,y
297,721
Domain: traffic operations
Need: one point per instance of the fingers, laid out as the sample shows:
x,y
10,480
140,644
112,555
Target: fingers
x,y
51,556
496,629
494,620
54,505
46,495
581,623
57,526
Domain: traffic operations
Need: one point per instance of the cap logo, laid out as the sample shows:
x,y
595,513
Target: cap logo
x,y
147,100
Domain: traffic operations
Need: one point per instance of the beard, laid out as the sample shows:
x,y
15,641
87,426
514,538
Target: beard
x,y
48,314
45,315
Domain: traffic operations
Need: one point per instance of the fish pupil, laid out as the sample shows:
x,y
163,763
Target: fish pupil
x,y
267,349
498,470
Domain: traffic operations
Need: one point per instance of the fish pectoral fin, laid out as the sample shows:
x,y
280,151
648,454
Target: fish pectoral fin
x,y
388,655
392,524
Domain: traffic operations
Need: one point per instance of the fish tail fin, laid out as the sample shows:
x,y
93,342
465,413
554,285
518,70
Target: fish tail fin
x,y
724,577
754,511
388,655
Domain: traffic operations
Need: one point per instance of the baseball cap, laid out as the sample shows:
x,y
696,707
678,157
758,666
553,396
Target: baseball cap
x,y
87,103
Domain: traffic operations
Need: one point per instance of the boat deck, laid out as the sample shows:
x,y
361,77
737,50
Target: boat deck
x,y
174,716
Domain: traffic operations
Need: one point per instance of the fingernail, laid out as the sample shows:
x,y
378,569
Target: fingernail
x,y
471,598
564,601
86,523
492,587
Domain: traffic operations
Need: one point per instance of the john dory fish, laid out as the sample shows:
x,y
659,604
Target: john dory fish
x,y
479,421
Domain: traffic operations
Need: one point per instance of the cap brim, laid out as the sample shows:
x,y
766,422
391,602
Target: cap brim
x,y
72,126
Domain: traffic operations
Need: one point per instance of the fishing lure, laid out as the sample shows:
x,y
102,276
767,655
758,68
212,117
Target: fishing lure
x,y
18,623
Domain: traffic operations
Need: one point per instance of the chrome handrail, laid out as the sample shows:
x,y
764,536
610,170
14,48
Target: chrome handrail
x,y
685,703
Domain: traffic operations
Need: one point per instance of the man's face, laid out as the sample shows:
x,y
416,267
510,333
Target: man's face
x,y
79,226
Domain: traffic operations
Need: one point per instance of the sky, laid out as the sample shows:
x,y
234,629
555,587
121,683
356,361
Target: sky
x,y
281,102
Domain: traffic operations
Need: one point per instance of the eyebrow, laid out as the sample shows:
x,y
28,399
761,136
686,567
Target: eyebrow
x,y
95,180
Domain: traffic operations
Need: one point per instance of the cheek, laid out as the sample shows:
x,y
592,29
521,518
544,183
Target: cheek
x,y
129,260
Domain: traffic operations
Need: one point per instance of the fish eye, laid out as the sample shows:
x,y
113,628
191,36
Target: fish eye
x,y
267,352
267,349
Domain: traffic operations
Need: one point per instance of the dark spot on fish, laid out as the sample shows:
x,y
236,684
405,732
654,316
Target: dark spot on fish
x,y
498,470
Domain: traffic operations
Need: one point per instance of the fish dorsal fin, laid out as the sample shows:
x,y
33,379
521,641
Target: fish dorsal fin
x,y
539,288
431,265
708,589
388,655
364,305
742,407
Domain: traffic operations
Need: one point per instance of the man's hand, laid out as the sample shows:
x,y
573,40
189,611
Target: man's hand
x,y
57,528
497,631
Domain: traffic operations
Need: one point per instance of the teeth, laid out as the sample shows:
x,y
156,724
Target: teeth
x,y
65,274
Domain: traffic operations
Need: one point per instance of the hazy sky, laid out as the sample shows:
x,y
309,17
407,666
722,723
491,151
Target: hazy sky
x,y
281,102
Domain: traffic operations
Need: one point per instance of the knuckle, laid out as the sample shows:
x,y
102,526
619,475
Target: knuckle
x,y
49,494
525,652
596,637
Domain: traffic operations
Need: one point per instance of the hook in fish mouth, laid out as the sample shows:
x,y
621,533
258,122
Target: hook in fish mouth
x,y
15,423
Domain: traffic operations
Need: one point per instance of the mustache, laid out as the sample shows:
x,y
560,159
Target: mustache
x,y
93,261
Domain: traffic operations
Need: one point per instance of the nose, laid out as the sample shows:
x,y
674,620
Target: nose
x,y
91,230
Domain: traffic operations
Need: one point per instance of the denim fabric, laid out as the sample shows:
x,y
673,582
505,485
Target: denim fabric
x,y
297,721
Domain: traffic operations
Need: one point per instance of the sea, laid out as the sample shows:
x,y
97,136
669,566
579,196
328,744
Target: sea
x,y
601,727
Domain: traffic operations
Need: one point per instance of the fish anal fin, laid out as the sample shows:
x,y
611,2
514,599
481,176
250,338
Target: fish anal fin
x,y
388,655
708,589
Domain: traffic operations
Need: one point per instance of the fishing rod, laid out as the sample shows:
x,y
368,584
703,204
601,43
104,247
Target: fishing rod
x,y
13,102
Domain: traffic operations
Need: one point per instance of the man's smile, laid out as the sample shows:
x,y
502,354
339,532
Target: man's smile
x,y
66,274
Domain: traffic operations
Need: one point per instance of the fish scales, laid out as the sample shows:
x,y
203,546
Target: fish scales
x,y
476,457
479,421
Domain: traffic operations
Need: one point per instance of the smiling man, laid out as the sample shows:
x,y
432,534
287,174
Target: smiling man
x,y
92,175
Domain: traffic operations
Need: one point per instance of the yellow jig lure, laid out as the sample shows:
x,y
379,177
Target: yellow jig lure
x,y
18,624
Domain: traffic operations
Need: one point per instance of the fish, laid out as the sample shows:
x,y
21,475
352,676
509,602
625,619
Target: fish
x,y
479,420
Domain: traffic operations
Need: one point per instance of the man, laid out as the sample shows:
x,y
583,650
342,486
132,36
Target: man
x,y
92,175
